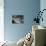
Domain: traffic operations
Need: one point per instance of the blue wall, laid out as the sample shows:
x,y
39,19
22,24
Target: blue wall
x,y
13,32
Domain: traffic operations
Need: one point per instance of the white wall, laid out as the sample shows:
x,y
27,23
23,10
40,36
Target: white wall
x,y
1,20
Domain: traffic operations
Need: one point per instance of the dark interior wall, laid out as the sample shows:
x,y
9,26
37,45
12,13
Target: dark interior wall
x,y
13,32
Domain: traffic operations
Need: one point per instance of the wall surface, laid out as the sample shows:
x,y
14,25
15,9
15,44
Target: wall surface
x,y
1,20
13,32
43,6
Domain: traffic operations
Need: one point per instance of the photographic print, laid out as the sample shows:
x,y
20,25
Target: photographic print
x,y
18,19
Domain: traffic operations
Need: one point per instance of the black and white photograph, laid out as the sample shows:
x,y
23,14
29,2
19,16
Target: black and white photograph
x,y
18,19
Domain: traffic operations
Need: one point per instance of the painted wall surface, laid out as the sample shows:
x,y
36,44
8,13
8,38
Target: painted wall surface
x,y
43,6
13,32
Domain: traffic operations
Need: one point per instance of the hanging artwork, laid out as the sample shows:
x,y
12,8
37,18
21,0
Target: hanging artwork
x,y
18,19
